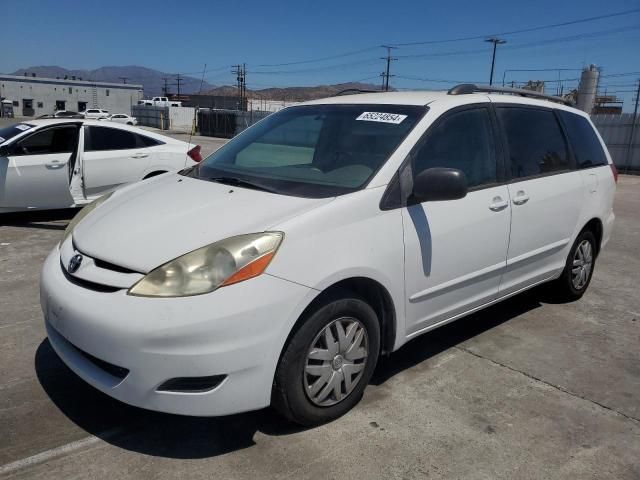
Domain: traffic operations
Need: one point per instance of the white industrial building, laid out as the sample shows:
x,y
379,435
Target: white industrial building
x,y
34,96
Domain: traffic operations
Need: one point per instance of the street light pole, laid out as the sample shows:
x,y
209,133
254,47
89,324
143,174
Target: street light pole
x,y
496,41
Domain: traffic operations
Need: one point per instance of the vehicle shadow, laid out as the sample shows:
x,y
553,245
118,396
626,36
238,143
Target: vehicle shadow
x,y
45,219
182,437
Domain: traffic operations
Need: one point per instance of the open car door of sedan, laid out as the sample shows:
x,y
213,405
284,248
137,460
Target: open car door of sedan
x,y
35,169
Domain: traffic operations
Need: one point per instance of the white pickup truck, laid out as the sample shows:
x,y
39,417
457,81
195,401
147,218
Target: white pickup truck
x,y
160,102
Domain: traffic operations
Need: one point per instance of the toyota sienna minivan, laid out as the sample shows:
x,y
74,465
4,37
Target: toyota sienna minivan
x,y
279,269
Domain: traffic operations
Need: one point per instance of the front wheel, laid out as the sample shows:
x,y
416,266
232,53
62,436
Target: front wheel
x,y
328,362
578,270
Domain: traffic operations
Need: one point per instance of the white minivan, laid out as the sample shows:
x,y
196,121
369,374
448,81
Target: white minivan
x,y
281,267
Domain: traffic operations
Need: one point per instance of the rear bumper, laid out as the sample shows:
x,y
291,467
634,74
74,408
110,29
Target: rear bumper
x,y
237,331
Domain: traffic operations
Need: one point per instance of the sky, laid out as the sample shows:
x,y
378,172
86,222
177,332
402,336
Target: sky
x,y
282,41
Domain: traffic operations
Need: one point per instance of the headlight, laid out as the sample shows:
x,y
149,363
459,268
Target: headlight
x,y
202,271
83,213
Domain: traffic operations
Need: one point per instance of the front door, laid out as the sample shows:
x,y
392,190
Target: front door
x,y
546,195
34,173
455,251
112,157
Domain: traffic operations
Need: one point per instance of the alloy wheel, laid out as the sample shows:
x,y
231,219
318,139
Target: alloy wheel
x,y
582,264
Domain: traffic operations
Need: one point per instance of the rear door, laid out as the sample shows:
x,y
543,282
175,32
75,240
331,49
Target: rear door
x,y
455,250
35,171
112,156
546,194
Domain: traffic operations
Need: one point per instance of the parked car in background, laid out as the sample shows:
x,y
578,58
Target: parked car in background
x,y
165,102
96,113
62,114
122,118
66,114
61,163
328,234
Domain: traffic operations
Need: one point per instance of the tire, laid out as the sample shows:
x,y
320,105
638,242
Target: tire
x,y
566,287
302,379
129,123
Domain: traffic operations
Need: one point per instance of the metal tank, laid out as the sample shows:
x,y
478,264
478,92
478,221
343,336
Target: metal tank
x,y
588,88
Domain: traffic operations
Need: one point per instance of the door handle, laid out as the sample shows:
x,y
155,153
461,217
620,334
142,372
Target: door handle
x,y
54,165
140,155
520,198
498,204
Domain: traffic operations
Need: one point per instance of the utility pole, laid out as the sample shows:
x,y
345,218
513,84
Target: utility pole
x,y
385,75
496,41
178,80
634,120
124,79
165,89
240,71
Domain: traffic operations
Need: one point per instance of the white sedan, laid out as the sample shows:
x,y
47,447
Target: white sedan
x,y
56,163
122,118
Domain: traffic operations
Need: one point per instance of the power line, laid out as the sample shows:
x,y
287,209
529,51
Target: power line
x,y
527,44
459,39
524,30
320,59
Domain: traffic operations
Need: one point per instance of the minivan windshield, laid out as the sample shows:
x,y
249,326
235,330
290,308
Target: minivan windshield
x,y
312,150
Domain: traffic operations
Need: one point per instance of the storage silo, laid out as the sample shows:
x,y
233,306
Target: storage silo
x,y
588,88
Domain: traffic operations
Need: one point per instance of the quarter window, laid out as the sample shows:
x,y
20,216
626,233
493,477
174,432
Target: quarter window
x,y
584,142
535,140
104,138
461,140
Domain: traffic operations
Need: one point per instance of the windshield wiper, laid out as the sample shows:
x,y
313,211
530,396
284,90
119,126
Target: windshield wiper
x,y
239,182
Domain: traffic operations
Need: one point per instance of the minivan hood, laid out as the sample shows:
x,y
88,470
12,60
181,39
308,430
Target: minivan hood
x,y
148,224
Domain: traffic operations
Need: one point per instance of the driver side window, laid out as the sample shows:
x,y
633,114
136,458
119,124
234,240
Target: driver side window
x,y
51,140
461,140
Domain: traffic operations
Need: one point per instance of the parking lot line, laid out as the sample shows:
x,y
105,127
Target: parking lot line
x,y
58,451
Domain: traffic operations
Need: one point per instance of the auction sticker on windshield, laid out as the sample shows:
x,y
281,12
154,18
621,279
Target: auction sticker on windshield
x,y
382,117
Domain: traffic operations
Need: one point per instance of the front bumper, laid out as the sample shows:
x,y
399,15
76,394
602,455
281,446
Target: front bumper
x,y
237,331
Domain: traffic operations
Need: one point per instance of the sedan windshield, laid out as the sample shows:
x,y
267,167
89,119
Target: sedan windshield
x,y
312,150
11,131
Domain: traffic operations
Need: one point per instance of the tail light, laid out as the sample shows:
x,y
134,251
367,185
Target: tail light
x,y
615,172
194,154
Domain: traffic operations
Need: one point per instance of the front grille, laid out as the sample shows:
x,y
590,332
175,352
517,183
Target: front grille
x,y
113,370
110,266
96,287
110,368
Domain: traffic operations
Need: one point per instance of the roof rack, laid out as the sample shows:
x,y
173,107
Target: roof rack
x,y
466,88
351,91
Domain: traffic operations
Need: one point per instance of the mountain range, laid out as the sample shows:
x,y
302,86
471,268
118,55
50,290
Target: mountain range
x,y
151,80
153,83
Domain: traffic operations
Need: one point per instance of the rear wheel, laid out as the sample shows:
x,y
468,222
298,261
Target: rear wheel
x,y
578,270
328,362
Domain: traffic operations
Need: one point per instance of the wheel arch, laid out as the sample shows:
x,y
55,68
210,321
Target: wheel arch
x,y
373,292
596,227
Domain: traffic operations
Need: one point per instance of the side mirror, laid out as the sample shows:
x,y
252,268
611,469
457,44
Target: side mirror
x,y
438,184
5,150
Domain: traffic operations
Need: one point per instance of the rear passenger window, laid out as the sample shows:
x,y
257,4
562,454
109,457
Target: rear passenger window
x,y
535,140
104,138
461,140
144,141
584,142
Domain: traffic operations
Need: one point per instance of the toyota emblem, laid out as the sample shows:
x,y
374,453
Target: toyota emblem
x,y
74,263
